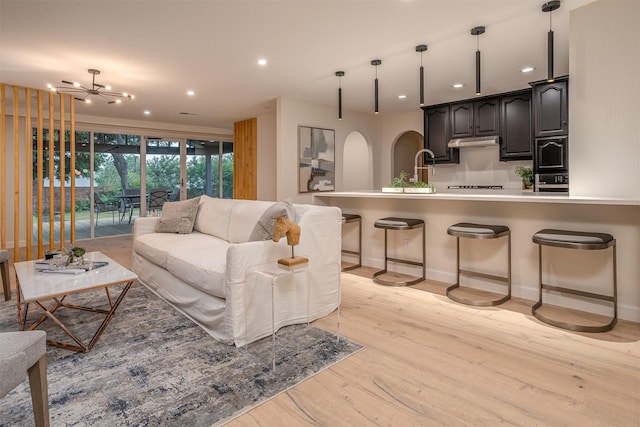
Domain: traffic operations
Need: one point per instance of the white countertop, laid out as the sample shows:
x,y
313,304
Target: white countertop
x,y
518,196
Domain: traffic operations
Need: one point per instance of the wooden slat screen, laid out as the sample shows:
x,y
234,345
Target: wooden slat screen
x,y
245,159
3,166
22,185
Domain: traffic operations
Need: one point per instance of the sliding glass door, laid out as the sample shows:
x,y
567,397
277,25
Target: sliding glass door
x,y
210,168
110,170
163,172
116,173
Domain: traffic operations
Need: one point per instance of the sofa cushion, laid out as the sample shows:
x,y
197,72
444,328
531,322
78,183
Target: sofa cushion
x,y
213,216
201,267
156,246
178,217
244,216
263,230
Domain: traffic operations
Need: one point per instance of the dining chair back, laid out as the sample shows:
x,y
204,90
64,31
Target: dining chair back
x,y
100,205
157,198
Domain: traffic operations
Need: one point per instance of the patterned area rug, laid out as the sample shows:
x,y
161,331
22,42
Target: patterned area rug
x,y
152,366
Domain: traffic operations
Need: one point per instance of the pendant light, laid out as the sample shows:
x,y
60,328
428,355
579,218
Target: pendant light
x,y
340,74
550,7
421,48
375,63
476,31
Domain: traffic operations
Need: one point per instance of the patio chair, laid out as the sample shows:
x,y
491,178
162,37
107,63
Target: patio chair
x,y
99,205
157,197
24,352
132,202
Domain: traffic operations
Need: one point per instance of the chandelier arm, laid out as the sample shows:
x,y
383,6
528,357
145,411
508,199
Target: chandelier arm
x,y
70,89
119,95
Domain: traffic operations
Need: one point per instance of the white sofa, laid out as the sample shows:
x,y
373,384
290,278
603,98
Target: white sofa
x,y
202,274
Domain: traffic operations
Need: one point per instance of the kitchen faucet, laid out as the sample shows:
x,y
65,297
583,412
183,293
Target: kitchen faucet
x,y
416,167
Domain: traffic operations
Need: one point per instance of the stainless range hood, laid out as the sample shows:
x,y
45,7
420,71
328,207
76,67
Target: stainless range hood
x,y
480,141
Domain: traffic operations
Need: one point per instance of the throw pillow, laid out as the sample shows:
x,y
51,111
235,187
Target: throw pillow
x,y
264,227
178,217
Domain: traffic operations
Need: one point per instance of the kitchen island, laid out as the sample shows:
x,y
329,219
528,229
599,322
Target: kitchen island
x,y
525,213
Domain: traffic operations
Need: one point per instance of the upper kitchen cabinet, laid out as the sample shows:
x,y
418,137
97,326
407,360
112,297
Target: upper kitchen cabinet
x,y
516,130
551,108
461,116
486,117
436,131
478,118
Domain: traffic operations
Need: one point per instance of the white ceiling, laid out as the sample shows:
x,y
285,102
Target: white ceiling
x,y
159,49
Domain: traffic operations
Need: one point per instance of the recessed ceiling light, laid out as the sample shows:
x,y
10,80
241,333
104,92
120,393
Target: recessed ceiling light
x,y
190,93
147,112
402,96
527,69
457,85
262,62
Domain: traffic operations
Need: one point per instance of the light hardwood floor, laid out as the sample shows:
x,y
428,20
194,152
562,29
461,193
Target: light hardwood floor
x,y
429,362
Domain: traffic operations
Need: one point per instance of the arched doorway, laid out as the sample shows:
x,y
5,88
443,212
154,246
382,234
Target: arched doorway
x,y
404,152
356,168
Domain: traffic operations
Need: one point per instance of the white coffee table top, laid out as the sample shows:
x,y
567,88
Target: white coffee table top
x,y
36,285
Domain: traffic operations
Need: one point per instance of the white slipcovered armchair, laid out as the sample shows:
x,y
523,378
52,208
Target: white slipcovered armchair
x,y
22,352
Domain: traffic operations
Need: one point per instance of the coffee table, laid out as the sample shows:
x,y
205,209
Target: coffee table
x,y
49,290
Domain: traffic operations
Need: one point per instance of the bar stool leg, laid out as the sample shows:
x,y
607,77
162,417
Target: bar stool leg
x,y
394,223
360,243
573,326
358,252
481,303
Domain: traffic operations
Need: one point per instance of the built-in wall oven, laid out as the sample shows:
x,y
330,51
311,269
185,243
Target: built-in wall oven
x,y
550,164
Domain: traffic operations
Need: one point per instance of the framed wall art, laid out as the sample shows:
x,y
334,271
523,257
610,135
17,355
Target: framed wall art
x,y
316,155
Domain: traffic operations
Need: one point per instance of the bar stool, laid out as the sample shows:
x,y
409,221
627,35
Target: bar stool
x,y
583,241
4,273
348,219
480,231
394,223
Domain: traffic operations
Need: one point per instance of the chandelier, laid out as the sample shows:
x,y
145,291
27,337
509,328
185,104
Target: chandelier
x,y
82,93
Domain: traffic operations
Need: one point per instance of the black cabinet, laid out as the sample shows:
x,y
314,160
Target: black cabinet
x,y
478,118
486,117
461,116
551,108
436,126
516,129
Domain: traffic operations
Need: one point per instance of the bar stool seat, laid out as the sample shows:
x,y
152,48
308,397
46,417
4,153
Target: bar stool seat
x,y
396,223
348,219
582,241
4,274
479,231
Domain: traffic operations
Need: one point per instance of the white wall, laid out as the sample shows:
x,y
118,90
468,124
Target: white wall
x,y
604,99
392,127
357,173
267,157
292,113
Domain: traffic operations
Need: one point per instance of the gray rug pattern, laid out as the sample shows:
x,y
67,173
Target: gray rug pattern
x,y
154,367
